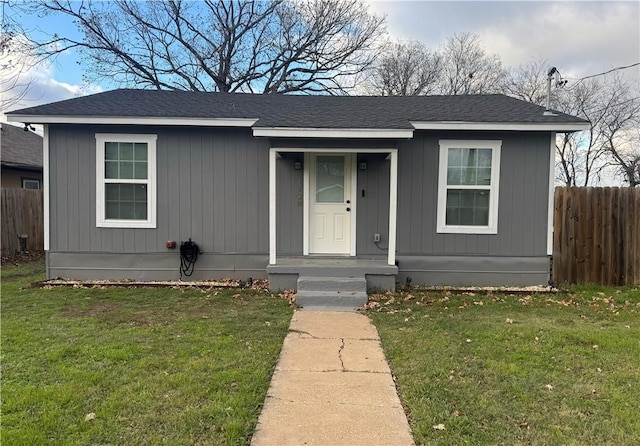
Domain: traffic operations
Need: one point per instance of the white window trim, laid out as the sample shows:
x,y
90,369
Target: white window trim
x,y
101,221
32,180
492,227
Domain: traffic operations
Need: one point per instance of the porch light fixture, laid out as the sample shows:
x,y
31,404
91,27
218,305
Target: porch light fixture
x,y
362,165
297,165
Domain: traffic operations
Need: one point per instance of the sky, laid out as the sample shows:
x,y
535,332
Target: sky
x,y
580,38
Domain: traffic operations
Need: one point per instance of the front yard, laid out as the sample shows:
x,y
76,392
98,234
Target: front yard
x,y
540,369
168,366
134,366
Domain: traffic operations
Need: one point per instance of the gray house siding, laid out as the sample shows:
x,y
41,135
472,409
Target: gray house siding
x,y
516,255
212,186
372,206
290,203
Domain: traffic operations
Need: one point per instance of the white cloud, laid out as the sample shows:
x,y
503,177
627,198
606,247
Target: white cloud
x,y
580,38
26,84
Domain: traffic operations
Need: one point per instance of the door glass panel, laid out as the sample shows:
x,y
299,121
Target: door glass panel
x,y
330,178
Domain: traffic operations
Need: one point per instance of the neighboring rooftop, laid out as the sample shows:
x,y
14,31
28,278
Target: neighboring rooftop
x,y
297,111
20,149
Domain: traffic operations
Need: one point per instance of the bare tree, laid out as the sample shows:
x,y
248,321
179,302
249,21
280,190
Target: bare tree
x,y
613,112
274,46
611,107
528,82
406,68
14,61
625,155
621,133
581,154
460,66
468,69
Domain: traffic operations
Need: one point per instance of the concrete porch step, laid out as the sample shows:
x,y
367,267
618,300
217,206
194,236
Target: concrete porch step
x,y
331,293
316,283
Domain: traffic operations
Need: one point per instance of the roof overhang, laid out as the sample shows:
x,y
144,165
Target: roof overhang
x,y
509,126
293,132
131,120
19,166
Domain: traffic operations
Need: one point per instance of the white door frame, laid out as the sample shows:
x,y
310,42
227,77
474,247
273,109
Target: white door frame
x,y
393,197
307,199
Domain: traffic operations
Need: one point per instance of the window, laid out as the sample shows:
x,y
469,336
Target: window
x,y
468,187
126,181
30,184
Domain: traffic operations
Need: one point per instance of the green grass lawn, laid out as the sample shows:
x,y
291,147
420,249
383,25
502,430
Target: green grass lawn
x,y
134,366
542,369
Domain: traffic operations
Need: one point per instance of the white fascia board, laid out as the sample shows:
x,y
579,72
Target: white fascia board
x,y
510,126
46,187
273,230
289,132
132,120
330,150
552,189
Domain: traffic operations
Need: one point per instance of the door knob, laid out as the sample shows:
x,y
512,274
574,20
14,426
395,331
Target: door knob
x,y
348,201
348,209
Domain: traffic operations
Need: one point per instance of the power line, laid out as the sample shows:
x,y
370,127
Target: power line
x,y
603,73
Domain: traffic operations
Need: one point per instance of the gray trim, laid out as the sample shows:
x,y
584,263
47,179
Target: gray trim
x,y
153,266
474,270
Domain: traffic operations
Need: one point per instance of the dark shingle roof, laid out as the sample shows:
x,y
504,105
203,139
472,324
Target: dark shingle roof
x,y
19,148
388,112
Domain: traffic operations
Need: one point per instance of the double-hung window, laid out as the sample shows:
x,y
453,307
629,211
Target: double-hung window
x,y
125,180
468,186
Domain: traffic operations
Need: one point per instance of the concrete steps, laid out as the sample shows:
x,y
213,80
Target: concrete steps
x,y
331,293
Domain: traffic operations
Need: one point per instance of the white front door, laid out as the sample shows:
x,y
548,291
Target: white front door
x,y
330,207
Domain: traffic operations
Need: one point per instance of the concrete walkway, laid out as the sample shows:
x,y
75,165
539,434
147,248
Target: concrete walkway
x,y
332,386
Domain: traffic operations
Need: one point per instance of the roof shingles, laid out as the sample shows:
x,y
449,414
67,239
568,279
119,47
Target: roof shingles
x,y
19,148
297,111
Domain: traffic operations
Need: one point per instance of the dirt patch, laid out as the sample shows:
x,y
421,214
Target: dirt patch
x,y
95,309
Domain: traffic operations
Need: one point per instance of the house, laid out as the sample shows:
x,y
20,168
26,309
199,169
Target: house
x,y
20,157
438,190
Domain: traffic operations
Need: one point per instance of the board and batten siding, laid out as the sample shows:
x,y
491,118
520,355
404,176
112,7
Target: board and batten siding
x,y
515,256
289,206
212,186
372,205
523,194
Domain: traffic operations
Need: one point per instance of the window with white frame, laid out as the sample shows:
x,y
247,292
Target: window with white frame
x,y
125,180
468,186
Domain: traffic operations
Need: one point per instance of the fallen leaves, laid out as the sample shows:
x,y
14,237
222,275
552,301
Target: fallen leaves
x,y
90,416
439,427
289,295
548,387
526,300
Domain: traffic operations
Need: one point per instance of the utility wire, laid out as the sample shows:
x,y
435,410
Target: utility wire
x,y
603,73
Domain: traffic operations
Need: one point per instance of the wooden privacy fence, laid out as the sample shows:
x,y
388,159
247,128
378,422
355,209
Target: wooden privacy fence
x,y
22,215
596,235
